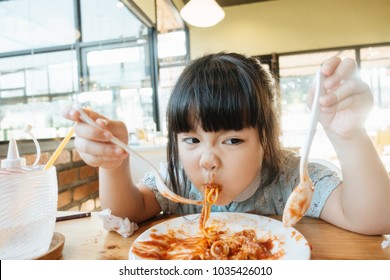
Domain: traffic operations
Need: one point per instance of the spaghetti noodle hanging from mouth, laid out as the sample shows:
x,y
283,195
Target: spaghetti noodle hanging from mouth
x,y
211,192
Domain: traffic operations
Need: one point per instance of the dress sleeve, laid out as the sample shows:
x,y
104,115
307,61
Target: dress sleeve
x,y
325,180
149,180
167,206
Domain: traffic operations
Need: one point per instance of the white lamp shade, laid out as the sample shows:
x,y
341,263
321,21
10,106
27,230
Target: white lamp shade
x,y
202,13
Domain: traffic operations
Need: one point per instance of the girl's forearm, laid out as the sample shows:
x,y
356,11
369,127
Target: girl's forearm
x,y
365,196
118,192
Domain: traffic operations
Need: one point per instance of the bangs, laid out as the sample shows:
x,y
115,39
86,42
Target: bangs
x,y
217,97
225,91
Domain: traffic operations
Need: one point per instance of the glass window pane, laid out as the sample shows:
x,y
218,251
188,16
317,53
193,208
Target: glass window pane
x,y
28,24
306,64
62,76
296,77
172,47
26,85
43,115
168,77
104,20
36,81
375,71
12,83
11,93
117,67
118,84
47,73
114,68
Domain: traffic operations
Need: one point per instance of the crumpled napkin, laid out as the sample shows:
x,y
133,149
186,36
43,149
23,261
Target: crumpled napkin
x,y
386,242
113,223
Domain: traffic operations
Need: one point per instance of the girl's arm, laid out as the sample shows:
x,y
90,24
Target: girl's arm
x,y
362,202
117,190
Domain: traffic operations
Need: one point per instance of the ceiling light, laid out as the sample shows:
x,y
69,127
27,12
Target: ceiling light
x,y
202,13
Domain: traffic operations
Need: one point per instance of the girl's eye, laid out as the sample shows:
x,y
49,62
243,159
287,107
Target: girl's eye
x,y
233,141
191,140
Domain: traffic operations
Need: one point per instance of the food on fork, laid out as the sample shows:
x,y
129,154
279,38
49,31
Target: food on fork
x,y
298,203
301,197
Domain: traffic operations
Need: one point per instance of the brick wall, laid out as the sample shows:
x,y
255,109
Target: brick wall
x,y
78,186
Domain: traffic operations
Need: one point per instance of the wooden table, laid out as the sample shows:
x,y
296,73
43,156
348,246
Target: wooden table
x,y
86,238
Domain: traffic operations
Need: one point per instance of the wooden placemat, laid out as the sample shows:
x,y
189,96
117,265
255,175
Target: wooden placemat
x,y
55,249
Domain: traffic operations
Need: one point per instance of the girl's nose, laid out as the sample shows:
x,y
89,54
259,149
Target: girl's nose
x,y
209,161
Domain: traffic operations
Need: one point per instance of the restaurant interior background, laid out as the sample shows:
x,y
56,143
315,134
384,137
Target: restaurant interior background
x,y
122,58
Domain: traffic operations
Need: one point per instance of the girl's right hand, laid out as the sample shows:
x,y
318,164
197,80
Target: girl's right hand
x,y
93,144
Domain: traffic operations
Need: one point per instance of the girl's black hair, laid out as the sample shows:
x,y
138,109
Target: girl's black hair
x,y
225,91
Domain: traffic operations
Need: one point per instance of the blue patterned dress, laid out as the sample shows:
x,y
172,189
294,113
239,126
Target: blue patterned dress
x,y
267,200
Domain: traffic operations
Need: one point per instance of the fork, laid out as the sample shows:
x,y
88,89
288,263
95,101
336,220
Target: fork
x,y
161,186
300,199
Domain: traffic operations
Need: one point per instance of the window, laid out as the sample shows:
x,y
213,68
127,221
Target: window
x,y
172,53
29,25
109,20
375,71
172,48
296,76
296,73
39,74
53,53
33,90
119,84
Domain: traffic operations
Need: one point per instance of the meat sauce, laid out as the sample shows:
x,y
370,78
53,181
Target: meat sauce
x,y
243,245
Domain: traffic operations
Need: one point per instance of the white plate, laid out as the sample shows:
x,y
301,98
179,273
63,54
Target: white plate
x,y
288,239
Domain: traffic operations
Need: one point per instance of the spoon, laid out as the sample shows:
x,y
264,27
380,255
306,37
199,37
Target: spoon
x,y
162,188
300,199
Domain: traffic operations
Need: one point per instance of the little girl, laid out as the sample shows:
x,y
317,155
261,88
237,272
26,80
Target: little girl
x,y
223,118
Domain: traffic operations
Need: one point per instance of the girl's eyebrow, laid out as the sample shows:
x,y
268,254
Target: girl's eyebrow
x,y
191,132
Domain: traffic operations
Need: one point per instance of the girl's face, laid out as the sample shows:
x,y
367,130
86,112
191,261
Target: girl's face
x,y
233,157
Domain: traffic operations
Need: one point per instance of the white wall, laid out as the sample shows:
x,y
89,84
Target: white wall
x,y
154,154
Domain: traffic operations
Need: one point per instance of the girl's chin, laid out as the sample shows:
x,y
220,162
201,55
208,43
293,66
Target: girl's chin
x,y
222,201
222,204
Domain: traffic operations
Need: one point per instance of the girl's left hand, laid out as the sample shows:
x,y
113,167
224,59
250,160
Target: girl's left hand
x,y
347,100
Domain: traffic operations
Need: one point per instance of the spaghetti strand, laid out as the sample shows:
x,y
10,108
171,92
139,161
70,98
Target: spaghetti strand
x,y
211,192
